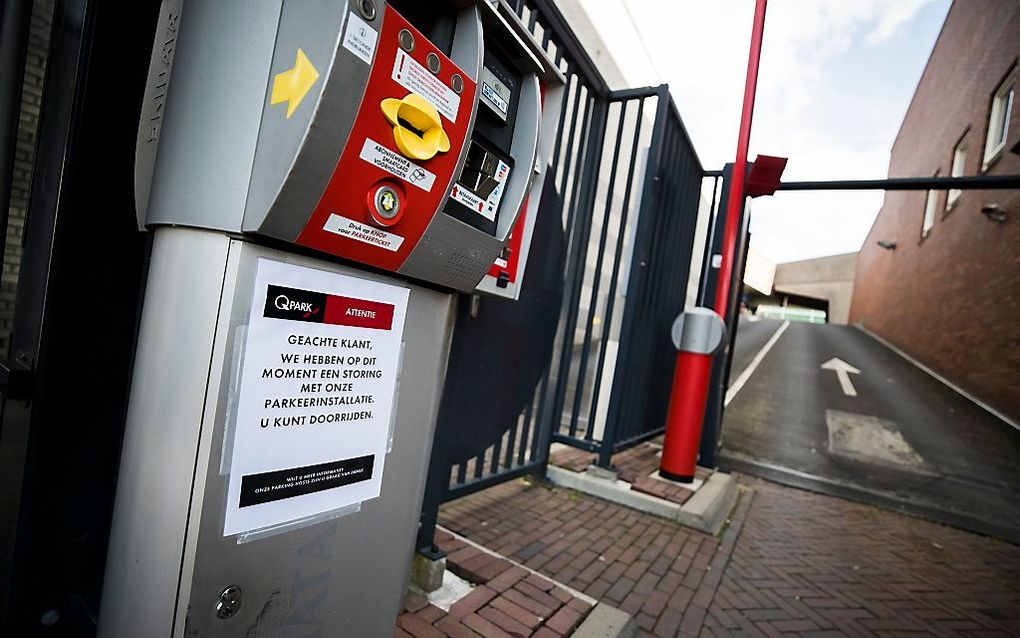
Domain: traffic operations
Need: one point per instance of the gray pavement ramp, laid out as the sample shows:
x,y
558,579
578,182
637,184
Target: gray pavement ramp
x,y
894,436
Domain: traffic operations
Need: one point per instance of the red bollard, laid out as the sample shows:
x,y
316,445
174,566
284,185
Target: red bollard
x,y
697,335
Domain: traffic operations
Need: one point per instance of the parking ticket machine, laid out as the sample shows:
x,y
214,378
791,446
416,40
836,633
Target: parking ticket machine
x,y
319,177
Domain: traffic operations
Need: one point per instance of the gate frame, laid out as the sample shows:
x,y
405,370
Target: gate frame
x,y
575,169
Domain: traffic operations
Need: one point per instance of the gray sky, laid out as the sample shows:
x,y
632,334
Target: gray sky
x,y
836,78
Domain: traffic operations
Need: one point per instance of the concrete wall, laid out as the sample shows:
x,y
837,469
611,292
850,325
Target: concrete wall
x,y
952,299
830,278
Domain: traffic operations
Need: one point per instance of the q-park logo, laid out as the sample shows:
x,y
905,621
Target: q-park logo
x,y
294,304
283,303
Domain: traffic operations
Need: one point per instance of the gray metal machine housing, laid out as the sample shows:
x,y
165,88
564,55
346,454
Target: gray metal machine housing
x,y
207,186
219,161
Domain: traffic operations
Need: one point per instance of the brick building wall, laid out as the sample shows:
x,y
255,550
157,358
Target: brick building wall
x,y
952,298
24,158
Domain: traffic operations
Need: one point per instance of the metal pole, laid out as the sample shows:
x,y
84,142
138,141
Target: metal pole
x,y
736,195
967,182
692,373
706,256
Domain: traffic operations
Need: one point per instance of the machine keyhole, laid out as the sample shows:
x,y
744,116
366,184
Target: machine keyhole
x,y
229,602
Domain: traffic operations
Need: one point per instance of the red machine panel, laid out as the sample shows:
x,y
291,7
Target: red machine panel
x,y
401,155
512,262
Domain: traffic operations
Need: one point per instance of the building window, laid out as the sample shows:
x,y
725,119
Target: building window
x,y
959,161
998,119
929,213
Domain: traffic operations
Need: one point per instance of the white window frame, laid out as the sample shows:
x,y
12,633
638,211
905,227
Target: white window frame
x,y
998,118
930,205
957,169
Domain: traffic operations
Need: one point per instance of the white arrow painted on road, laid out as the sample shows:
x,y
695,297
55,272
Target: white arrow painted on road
x,y
843,372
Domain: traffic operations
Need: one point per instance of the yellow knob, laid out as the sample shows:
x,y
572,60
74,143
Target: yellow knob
x,y
417,129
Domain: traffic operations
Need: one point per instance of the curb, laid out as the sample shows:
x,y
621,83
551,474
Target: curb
x,y
606,621
706,511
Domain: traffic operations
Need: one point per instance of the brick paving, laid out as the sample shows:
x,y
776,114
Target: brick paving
x,y
508,601
789,563
636,466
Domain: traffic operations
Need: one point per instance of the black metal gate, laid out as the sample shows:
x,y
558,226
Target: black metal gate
x,y
620,309
583,357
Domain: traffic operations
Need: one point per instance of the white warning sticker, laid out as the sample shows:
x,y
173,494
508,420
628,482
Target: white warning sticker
x,y
411,75
485,207
361,232
378,155
360,38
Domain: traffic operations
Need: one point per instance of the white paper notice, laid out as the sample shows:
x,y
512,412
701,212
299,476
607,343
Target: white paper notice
x,y
320,363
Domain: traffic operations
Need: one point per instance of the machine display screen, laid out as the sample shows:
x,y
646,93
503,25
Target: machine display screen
x,y
476,196
496,92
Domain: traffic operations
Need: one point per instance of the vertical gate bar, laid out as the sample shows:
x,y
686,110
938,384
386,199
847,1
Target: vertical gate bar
x,y
635,404
497,449
511,443
462,472
551,412
615,275
671,286
479,464
583,153
569,98
706,255
575,268
663,241
648,293
530,423
570,138
597,280
634,282
542,438
525,431
571,92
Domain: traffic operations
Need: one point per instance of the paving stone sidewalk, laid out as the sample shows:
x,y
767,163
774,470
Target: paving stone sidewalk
x,y
789,563
507,601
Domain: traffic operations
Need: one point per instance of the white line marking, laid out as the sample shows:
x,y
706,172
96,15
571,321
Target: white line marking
x,y
843,371
735,387
482,548
946,382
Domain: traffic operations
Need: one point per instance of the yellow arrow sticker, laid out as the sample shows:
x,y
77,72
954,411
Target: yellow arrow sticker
x,y
291,86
